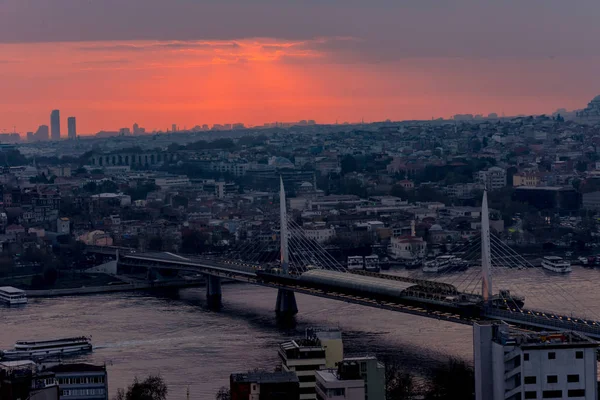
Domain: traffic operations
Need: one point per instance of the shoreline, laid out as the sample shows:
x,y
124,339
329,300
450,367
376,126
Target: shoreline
x,y
126,287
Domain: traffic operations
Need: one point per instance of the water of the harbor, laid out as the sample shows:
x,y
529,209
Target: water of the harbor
x,y
176,336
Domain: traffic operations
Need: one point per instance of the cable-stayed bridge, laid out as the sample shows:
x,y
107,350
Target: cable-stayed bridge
x,y
487,281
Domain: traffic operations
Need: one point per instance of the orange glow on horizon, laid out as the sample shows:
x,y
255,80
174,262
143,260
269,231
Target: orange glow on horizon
x,y
109,85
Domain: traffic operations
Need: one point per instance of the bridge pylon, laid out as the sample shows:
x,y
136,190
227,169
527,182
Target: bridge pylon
x,y
286,299
213,292
486,257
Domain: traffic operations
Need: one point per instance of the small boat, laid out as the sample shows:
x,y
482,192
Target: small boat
x,y
12,296
556,264
413,264
372,263
443,264
355,262
48,348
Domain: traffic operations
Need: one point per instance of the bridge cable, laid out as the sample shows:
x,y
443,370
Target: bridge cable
x,y
550,298
320,250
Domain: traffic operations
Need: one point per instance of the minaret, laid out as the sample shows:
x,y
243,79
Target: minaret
x,y
486,260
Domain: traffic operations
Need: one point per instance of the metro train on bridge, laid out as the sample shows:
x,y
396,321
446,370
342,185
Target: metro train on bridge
x,y
394,289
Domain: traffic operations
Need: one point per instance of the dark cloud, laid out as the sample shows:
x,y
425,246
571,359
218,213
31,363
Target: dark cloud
x,y
100,63
388,29
182,45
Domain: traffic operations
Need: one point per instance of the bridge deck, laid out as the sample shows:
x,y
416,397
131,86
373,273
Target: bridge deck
x,y
432,309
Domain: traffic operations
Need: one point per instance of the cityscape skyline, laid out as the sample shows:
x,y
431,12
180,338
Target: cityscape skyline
x,y
299,200
260,69
72,131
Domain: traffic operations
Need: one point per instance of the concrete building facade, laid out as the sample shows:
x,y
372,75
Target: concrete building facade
x,y
511,365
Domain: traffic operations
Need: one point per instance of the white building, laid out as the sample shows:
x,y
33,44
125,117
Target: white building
x,y
463,190
511,365
172,181
332,385
237,169
320,348
318,233
407,247
493,178
303,357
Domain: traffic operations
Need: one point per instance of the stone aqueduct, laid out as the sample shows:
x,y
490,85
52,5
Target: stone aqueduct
x,y
149,158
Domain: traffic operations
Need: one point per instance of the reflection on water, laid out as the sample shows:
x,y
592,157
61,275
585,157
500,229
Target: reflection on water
x,y
137,334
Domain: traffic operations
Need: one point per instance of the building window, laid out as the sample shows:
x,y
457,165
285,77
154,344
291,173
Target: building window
x,y
531,395
525,356
552,356
576,393
530,380
552,394
552,379
572,378
579,354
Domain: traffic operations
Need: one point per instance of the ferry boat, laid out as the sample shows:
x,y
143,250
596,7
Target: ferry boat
x,y
48,348
441,264
556,264
372,263
413,264
356,262
12,296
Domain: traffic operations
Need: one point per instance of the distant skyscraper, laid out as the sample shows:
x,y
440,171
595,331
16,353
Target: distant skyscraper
x,y
174,128
55,125
41,134
72,126
136,129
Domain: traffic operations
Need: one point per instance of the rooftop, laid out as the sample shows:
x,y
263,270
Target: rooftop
x,y
507,336
264,377
328,375
80,367
305,344
11,290
20,364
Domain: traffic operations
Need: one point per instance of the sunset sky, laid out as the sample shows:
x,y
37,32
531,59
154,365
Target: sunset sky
x,y
111,63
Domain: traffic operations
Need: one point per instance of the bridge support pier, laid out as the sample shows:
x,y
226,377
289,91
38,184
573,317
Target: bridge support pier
x,y
286,306
213,291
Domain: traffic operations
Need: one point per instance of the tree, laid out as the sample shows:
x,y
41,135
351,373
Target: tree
x,y
454,380
581,166
398,385
475,145
37,282
13,158
223,394
140,192
155,244
90,187
50,276
151,388
348,164
193,242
